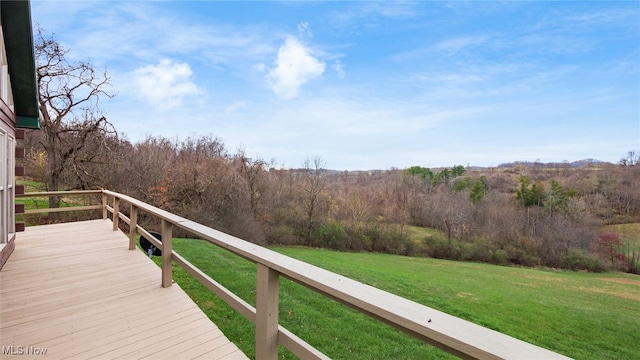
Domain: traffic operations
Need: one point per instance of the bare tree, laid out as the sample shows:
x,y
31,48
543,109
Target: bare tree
x,y
632,159
314,182
254,172
74,131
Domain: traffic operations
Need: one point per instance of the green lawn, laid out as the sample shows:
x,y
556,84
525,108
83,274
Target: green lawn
x,y
42,202
581,315
32,203
31,185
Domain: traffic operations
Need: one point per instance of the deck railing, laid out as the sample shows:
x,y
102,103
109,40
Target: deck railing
x,y
454,335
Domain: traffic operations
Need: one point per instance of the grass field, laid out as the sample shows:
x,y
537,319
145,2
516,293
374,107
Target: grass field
x,y
34,202
42,202
418,233
581,315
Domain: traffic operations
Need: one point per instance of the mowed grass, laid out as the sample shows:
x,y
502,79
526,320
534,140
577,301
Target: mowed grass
x,y
581,315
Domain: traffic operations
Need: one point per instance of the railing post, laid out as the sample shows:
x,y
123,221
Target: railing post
x,y
267,313
167,235
133,227
116,212
104,206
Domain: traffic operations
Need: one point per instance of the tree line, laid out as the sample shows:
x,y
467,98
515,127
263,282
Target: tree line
x,y
523,215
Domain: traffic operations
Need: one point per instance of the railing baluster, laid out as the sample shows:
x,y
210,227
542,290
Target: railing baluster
x,y
104,206
267,313
133,225
116,212
167,234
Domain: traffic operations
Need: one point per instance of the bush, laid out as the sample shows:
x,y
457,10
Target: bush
x,y
440,248
576,259
331,235
484,250
282,235
479,251
500,257
383,238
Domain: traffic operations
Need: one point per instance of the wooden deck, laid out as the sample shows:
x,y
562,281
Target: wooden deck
x,y
75,291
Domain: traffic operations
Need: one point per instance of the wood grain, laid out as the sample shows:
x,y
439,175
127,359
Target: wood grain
x,y
76,290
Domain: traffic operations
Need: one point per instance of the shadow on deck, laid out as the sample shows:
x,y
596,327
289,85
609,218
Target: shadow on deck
x,y
74,290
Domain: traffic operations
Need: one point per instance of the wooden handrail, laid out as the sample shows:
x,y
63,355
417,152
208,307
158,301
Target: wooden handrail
x,y
60,193
454,335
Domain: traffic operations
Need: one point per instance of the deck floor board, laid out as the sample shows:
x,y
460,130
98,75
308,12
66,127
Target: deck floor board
x,y
76,290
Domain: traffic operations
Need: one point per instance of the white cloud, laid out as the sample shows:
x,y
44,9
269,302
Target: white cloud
x,y
304,30
164,84
294,67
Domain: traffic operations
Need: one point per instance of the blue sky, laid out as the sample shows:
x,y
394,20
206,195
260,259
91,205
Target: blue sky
x,y
368,85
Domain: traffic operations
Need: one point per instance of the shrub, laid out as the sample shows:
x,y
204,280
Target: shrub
x,y
576,259
331,235
519,256
478,251
283,235
391,240
500,257
440,248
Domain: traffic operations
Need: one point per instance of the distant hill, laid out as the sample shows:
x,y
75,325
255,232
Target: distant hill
x,y
574,164
584,163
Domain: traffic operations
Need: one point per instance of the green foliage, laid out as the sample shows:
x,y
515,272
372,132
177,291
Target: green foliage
x,y
462,184
478,191
485,251
439,247
556,199
530,195
576,259
477,188
386,238
457,170
572,193
331,235
445,175
423,172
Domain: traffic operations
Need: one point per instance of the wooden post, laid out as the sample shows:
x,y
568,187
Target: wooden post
x,y
133,227
167,234
116,212
267,313
104,206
